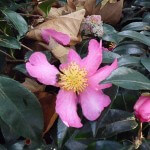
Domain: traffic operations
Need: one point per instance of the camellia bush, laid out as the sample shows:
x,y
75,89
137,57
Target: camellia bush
x,y
75,75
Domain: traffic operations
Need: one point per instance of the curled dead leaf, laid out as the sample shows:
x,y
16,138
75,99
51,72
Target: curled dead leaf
x,y
110,12
67,24
59,51
33,86
47,102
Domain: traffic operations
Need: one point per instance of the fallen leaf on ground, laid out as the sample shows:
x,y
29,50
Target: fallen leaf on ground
x,y
33,86
47,102
110,12
68,24
59,51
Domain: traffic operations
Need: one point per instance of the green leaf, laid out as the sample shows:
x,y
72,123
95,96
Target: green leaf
x,y
136,36
129,79
46,6
9,42
2,147
116,121
108,29
17,20
129,48
147,18
23,109
108,56
75,145
104,145
128,61
136,26
8,133
112,93
21,68
146,62
145,3
61,132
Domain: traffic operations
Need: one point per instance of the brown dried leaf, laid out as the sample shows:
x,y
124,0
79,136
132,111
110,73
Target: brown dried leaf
x,y
33,86
59,51
110,13
48,106
56,12
68,24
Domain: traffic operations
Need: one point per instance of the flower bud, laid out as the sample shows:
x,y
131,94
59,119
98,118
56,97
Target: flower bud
x,y
142,108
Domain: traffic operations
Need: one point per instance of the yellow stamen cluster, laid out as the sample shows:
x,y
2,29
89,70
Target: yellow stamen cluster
x,y
73,78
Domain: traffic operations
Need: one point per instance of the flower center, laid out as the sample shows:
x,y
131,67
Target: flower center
x,y
73,78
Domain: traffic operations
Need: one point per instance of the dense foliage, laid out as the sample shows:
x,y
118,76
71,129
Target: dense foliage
x,y
21,110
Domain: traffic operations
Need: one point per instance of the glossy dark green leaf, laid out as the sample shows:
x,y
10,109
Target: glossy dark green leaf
x,y
74,145
112,37
136,26
23,109
145,4
147,18
108,56
146,62
17,20
2,147
110,34
17,146
116,121
21,68
145,145
104,145
8,133
128,61
112,93
129,48
108,29
9,42
136,36
61,132
46,6
129,79
147,33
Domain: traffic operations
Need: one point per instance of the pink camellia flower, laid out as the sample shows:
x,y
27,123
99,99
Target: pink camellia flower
x,y
78,81
142,108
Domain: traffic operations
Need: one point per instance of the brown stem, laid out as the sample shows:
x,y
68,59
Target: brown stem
x,y
30,15
1,51
140,135
28,48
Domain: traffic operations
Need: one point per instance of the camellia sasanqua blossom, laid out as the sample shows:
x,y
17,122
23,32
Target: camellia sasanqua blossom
x,y
142,108
78,81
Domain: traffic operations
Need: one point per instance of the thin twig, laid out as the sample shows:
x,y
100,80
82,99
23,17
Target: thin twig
x,y
28,48
6,54
15,61
30,15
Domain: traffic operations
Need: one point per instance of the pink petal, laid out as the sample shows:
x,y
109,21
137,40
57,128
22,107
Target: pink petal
x,y
73,56
94,58
60,37
38,58
104,86
139,102
102,74
144,111
66,107
93,103
39,68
